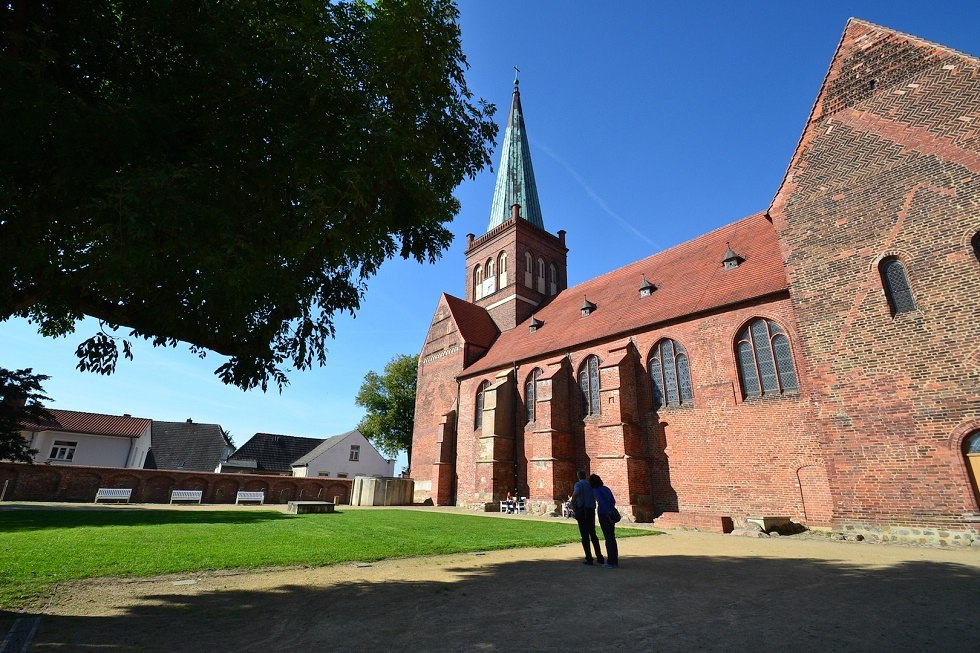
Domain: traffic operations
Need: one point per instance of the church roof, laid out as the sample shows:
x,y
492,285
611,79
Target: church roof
x,y
475,325
690,280
515,177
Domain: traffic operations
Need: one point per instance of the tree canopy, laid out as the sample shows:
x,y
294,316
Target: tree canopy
x,y
21,394
389,399
225,174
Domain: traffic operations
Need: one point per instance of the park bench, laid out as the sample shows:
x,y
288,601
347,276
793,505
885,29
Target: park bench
x,y
186,495
250,496
113,494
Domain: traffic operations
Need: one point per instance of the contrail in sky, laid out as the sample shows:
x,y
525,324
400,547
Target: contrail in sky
x,y
595,198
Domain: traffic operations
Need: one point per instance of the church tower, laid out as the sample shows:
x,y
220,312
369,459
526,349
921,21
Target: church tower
x,y
517,265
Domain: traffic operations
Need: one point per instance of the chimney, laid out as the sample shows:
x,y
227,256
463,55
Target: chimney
x,y
515,211
190,421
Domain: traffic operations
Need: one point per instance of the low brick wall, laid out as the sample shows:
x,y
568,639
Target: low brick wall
x,y
79,484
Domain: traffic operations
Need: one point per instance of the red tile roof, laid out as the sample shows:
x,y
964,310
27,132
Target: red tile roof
x,y
690,279
475,325
94,423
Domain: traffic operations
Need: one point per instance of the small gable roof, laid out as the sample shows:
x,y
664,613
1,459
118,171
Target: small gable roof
x,y
274,453
186,446
320,449
690,280
72,421
475,325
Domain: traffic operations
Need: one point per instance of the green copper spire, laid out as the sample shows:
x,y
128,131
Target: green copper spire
x,y
515,178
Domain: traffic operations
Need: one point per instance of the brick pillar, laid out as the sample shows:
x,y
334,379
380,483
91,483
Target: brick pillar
x,y
551,447
444,466
496,461
621,460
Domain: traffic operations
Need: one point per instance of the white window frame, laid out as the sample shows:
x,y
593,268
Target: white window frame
x,y
355,453
63,450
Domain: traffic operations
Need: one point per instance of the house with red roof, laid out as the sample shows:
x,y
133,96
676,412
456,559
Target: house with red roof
x,y
90,439
817,360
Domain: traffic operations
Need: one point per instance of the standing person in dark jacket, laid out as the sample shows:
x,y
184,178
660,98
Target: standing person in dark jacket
x,y
583,501
607,503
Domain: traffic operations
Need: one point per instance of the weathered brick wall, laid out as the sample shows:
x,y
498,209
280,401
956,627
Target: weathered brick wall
x,y
433,440
73,483
889,166
723,455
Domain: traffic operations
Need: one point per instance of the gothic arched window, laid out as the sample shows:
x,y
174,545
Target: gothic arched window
x,y
531,394
976,245
588,381
502,269
477,282
541,277
895,281
552,280
528,270
765,362
478,415
670,373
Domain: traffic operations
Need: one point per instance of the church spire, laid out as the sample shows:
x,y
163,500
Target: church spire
x,y
515,177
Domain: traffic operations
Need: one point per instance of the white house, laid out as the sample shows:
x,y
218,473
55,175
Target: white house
x,y
76,438
344,456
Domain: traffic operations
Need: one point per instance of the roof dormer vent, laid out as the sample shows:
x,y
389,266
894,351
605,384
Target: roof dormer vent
x,y
731,260
588,307
536,324
646,288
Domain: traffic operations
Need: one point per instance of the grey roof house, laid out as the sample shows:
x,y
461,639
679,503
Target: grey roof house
x,y
187,446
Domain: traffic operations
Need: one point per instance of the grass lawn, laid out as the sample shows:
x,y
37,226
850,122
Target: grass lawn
x,y
39,548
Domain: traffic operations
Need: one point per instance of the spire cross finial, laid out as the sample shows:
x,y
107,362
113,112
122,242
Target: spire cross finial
x,y
517,72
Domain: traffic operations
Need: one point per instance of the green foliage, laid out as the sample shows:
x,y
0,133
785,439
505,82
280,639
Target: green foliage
x,y
21,395
389,399
81,544
228,174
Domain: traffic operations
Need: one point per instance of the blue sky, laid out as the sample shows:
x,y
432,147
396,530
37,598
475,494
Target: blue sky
x,y
650,123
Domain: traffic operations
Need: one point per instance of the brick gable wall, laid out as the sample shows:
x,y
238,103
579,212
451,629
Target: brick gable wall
x,y
891,171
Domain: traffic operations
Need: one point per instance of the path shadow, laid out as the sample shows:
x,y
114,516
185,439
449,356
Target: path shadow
x,y
655,603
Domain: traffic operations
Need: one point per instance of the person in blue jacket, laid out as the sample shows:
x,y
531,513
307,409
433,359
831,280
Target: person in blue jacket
x,y
583,501
606,504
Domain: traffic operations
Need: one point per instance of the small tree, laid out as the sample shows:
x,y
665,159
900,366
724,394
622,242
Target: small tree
x,y
21,395
389,399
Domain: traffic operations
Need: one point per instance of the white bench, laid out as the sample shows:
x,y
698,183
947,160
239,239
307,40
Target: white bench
x,y
250,496
113,494
186,495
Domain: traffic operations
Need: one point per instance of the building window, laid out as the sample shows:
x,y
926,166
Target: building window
x,y
552,280
323,473
971,451
531,394
478,416
588,381
528,270
671,375
541,277
976,245
502,270
342,475
477,282
63,450
355,452
896,284
765,362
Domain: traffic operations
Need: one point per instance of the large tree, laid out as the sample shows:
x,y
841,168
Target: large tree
x,y
21,394
226,174
389,400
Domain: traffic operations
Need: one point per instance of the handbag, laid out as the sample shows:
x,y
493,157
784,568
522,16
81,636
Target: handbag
x,y
614,516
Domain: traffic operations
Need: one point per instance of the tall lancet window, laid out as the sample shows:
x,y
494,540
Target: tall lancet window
x,y
588,381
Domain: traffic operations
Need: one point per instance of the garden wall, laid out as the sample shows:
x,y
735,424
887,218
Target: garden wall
x,y
73,483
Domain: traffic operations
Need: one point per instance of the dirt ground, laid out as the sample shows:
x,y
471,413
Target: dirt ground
x,y
681,591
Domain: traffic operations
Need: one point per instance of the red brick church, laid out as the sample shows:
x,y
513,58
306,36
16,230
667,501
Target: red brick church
x,y
818,360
